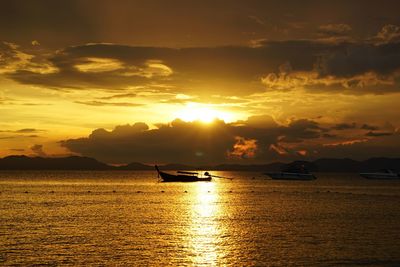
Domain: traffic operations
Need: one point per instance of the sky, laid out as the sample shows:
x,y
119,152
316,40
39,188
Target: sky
x,y
200,82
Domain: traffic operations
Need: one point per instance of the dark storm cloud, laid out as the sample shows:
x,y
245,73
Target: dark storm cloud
x,y
180,23
369,127
178,142
327,135
193,142
374,134
344,126
355,68
301,129
257,140
349,60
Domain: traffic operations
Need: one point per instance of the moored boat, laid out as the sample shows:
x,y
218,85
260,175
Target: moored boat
x,y
294,171
383,174
182,176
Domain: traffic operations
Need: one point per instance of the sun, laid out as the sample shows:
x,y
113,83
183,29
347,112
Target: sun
x,y
203,113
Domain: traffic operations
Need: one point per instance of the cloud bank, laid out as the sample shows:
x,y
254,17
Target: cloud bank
x,y
363,67
259,139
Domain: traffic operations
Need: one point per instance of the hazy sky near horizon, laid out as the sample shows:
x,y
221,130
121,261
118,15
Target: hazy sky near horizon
x,y
200,81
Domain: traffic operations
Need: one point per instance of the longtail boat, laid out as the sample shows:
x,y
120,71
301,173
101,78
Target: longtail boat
x,y
183,176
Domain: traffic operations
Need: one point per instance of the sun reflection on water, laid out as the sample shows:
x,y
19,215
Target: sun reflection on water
x,y
204,229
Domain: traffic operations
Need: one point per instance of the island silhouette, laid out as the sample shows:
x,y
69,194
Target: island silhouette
x,y
22,162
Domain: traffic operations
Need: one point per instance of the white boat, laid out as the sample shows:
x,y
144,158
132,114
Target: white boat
x,y
290,176
384,174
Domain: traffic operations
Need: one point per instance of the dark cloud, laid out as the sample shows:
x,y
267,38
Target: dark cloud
x,y
260,121
327,135
28,130
331,67
369,127
23,131
195,142
299,130
177,142
181,23
344,126
38,150
374,134
352,60
259,139
127,95
13,59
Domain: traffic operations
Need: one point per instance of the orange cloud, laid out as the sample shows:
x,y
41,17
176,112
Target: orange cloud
x,y
243,148
348,142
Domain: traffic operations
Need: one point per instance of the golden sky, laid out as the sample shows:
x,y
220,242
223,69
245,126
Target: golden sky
x,y
200,81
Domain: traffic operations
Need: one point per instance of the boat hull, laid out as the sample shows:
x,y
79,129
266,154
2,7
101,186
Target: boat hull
x,y
291,176
380,175
166,177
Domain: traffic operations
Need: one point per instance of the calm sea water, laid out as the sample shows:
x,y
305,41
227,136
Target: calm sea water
x,y
128,218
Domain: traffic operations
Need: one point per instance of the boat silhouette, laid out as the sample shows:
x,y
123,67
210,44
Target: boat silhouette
x,y
183,176
381,174
292,172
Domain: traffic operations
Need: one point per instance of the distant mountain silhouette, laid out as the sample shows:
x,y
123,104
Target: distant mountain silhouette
x,y
337,165
135,166
176,166
85,163
380,163
276,166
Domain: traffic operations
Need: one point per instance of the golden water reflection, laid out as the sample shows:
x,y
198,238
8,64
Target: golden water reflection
x,y
205,231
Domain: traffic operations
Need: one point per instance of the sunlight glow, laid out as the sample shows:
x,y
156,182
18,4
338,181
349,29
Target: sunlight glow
x,y
203,113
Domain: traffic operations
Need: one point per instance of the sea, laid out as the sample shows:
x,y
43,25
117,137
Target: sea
x,y
129,218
